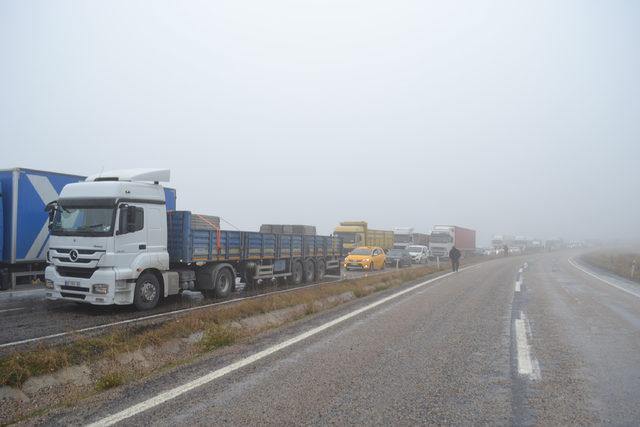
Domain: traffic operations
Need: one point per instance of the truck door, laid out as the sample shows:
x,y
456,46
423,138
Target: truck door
x,y
131,238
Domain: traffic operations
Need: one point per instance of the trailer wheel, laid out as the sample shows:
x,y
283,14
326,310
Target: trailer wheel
x,y
321,270
147,292
224,283
296,273
309,271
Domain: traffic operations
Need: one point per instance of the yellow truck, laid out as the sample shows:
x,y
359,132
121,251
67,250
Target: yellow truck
x,y
358,233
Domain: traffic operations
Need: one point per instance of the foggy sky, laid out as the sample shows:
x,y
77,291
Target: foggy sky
x,y
507,117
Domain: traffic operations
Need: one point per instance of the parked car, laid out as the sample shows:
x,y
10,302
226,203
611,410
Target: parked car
x,y
365,258
399,257
419,254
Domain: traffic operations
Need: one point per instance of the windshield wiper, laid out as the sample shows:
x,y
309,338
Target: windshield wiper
x,y
90,227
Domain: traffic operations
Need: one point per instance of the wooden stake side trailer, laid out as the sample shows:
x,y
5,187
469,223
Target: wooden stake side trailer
x,y
203,255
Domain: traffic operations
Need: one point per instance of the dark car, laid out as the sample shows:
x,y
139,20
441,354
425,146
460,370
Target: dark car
x,y
399,257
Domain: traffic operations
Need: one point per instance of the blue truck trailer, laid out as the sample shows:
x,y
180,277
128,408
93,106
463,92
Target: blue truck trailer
x,y
253,256
24,193
24,233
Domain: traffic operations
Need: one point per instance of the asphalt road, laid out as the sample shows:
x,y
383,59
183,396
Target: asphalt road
x,y
28,315
487,345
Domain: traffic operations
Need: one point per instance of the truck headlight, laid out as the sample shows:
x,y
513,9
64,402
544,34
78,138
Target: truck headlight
x,y
48,283
100,288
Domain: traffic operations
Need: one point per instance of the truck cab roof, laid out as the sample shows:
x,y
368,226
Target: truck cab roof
x,y
124,191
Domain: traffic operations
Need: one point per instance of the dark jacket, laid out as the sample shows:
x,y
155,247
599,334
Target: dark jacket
x,y
454,253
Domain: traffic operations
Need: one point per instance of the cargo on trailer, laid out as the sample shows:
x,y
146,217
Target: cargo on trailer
x,y
308,230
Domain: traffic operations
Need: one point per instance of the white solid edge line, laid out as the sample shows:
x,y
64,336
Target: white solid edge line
x,y
177,391
11,309
527,365
576,265
171,313
518,284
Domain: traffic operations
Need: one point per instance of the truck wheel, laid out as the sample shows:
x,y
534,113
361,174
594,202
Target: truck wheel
x,y
147,292
224,283
309,271
321,270
296,273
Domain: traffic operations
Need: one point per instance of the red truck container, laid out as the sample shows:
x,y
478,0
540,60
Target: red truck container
x,y
465,239
443,237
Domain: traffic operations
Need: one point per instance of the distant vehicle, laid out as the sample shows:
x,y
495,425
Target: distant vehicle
x,y
444,237
499,240
553,244
419,253
357,233
405,236
522,242
402,237
368,258
515,250
398,258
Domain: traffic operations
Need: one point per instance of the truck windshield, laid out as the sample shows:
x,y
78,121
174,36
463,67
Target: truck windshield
x,y
83,221
347,237
440,238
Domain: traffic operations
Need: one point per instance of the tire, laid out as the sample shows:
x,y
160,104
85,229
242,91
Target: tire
x,y
309,271
223,284
147,292
296,273
384,264
321,270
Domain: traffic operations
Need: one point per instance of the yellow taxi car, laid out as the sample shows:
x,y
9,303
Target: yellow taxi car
x,y
365,258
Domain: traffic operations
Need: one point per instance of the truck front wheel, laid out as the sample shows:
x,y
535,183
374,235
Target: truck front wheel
x,y
147,292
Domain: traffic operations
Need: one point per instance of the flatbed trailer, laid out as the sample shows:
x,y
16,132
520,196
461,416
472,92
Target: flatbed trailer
x,y
252,256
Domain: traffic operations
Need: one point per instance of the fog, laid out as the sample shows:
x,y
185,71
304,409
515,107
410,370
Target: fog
x,y
506,117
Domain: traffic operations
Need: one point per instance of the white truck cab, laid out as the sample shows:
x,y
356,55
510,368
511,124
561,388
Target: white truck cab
x,y
108,241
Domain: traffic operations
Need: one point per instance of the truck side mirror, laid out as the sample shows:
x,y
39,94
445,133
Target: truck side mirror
x,y
51,209
123,219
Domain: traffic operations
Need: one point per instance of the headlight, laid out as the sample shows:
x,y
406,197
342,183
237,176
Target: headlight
x,y
48,283
100,288
366,260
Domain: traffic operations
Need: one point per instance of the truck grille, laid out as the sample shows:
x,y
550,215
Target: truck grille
x,y
68,295
74,288
82,273
78,261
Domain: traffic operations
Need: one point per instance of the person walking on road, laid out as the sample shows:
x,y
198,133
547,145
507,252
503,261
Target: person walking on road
x,y
454,256
505,250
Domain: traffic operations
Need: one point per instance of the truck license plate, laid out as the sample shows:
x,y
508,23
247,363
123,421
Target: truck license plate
x,y
72,283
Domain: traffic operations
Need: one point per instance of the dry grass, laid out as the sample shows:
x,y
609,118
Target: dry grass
x,y
617,261
213,322
110,380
